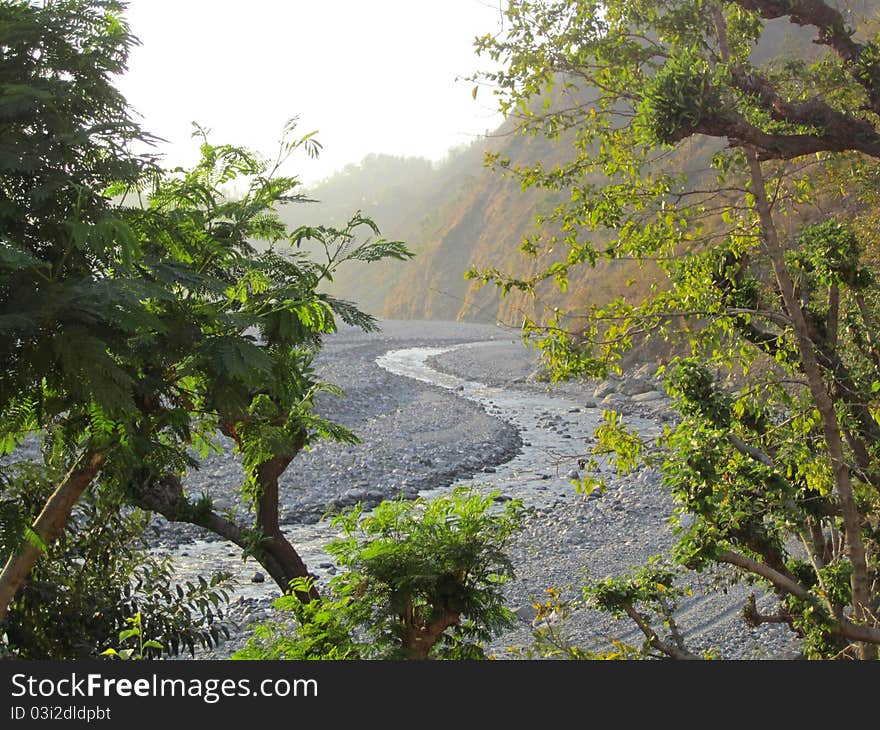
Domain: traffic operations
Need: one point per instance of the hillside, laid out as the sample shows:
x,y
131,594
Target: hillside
x,y
458,213
453,215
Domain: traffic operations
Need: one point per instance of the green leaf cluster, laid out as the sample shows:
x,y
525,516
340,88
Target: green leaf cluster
x,y
678,97
734,162
97,576
422,579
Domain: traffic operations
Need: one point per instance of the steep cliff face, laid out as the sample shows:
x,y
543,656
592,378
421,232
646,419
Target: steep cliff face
x,y
480,221
453,215
458,214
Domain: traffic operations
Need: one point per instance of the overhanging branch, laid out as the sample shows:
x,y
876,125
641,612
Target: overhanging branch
x,y
832,32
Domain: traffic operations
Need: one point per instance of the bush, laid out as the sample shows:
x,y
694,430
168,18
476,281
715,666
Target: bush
x,y
85,589
423,580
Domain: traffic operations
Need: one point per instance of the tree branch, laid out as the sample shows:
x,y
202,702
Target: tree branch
x,y
166,497
730,124
672,651
754,618
780,581
835,125
748,450
849,630
832,33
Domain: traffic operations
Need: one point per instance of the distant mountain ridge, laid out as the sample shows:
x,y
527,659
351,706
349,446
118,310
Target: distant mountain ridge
x,y
453,215
459,214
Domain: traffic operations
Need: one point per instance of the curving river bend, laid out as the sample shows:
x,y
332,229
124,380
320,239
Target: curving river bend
x,y
538,475
567,539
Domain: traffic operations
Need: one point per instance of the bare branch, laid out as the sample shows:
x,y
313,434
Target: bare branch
x,y
815,113
748,450
730,124
672,651
782,582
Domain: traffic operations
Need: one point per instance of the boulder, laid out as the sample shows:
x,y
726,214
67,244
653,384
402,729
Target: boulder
x,y
635,386
648,371
613,399
651,395
606,387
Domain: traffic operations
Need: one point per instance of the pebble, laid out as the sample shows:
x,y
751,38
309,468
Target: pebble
x,y
448,439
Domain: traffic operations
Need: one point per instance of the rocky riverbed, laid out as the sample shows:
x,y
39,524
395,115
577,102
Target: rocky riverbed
x,y
448,404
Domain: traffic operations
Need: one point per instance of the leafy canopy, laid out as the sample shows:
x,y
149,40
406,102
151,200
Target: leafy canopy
x,y
714,141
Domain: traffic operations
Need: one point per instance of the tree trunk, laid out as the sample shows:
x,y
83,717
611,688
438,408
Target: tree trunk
x,y
807,349
274,541
861,596
832,325
419,638
277,557
49,526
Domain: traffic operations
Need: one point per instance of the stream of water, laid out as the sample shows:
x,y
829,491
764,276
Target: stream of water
x,y
553,429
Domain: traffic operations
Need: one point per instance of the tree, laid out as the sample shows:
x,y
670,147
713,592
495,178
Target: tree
x,y
240,333
97,577
422,580
769,264
66,321
137,330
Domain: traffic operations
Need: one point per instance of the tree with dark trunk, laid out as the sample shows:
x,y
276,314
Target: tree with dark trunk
x,y
144,313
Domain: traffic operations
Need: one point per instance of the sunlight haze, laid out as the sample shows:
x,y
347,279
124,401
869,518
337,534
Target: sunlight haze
x,y
384,76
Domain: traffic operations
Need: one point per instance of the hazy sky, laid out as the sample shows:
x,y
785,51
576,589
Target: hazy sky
x,y
369,75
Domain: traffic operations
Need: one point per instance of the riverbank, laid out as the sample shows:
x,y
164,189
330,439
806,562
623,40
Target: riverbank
x,y
463,408
414,437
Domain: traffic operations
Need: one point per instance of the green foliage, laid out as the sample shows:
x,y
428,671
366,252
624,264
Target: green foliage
x,y
15,525
98,576
693,390
830,252
678,98
421,579
620,447
146,311
65,132
693,138
321,629
133,634
551,640
649,596
653,585
243,324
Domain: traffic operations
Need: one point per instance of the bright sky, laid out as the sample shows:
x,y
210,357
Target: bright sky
x,y
368,75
